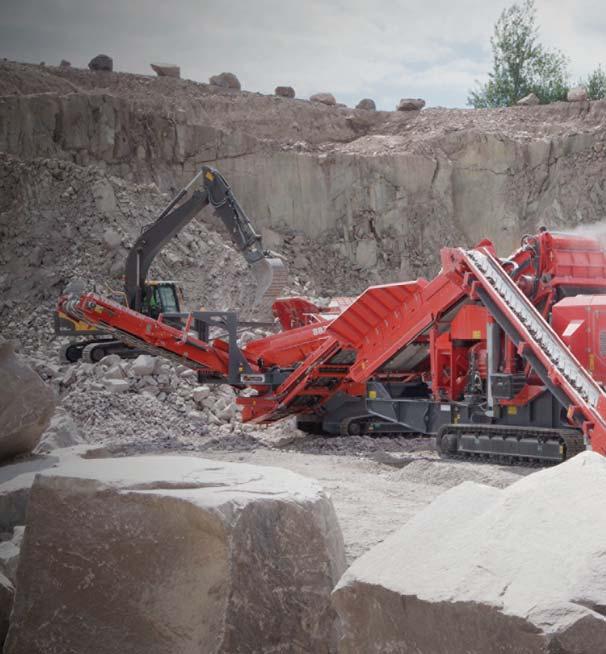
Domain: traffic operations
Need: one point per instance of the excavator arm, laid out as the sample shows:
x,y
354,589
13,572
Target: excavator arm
x,y
269,271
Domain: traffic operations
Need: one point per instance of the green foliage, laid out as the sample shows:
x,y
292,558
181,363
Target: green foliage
x,y
595,84
521,65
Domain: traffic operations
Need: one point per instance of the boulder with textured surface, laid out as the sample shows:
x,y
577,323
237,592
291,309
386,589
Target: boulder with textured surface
x,y
166,70
323,98
225,80
176,554
367,103
530,100
577,94
410,104
9,553
486,571
26,404
285,91
101,62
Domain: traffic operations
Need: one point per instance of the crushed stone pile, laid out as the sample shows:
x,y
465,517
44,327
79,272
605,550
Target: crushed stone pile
x,y
482,570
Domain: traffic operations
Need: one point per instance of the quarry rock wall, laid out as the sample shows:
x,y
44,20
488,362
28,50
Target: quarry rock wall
x,y
386,190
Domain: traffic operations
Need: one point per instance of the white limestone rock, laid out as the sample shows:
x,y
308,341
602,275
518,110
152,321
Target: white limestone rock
x,y
144,365
176,554
486,571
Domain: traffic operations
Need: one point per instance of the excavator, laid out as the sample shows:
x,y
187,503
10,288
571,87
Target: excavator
x,y
498,359
155,298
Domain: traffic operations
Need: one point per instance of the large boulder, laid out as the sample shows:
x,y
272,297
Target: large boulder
x,y
367,103
26,404
175,554
486,571
101,62
225,80
323,98
166,70
285,91
410,104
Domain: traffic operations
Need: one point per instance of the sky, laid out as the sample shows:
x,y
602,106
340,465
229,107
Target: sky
x,y
382,49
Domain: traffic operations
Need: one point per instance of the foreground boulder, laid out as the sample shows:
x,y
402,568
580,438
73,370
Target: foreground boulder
x,y
166,70
410,104
486,571
323,98
26,404
101,62
175,554
226,81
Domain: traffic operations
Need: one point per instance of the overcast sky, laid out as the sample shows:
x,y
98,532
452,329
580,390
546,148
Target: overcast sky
x,y
383,49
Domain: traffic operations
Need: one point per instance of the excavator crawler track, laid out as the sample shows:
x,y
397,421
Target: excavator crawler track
x,y
509,445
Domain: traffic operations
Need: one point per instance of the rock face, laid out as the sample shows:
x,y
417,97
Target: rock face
x,y
530,100
101,62
285,91
410,104
578,94
26,405
486,571
368,104
225,80
176,554
166,70
323,98
415,181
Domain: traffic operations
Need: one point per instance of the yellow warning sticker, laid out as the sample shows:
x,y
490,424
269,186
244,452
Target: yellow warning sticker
x,y
209,176
372,395
476,333
512,410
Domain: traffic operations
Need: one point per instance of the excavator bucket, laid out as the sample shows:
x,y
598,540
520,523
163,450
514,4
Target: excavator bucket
x,y
271,275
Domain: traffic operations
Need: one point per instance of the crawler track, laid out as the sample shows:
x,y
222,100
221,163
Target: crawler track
x,y
509,445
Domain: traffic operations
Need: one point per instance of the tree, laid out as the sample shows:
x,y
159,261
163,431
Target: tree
x,y
595,84
521,65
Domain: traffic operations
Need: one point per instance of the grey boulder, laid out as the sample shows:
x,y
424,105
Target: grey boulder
x,y
285,91
26,404
176,554
368,104
410,104
226,81
323,98
484,571
101,62
530,100
166,70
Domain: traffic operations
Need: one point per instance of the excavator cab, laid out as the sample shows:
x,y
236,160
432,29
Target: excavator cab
x,y
160,297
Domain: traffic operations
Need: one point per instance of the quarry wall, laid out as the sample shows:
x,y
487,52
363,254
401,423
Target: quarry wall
x,y
384,189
